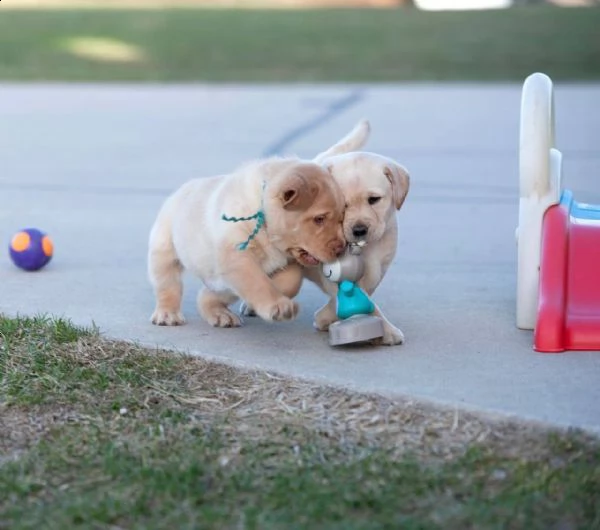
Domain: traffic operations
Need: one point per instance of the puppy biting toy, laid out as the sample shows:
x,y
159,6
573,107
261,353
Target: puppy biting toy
x,y
354,308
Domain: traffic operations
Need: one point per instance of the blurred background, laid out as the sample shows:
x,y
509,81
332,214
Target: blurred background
x,y
298,40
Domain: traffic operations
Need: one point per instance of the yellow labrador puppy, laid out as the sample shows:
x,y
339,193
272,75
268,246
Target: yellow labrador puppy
x,y
289,278
235,231
374,188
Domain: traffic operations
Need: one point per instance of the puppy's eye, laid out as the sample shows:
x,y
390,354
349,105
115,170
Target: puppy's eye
x,y
374,200
319,220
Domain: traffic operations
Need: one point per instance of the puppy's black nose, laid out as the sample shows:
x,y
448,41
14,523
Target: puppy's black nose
x,y
359,230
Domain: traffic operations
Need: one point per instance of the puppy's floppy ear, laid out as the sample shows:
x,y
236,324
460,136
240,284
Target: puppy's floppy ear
x,y
298,192
400,181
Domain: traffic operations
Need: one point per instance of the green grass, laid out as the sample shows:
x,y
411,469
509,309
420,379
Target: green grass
x,y
95,434
323,45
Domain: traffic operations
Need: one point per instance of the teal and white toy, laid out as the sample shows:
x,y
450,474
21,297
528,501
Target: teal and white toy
x,y
356,323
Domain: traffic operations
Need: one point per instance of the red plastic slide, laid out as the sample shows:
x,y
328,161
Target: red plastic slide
x,y
569,291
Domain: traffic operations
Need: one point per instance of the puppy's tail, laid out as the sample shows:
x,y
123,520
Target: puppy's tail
x,y
353,141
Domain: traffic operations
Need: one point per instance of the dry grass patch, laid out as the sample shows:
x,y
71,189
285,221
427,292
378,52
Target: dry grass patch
x,y
103,434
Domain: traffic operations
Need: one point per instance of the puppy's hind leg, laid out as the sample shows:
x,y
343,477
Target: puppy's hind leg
x,y
165,272
212,307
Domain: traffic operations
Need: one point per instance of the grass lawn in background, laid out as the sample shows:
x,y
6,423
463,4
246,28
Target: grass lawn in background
x,y
98,434
298,46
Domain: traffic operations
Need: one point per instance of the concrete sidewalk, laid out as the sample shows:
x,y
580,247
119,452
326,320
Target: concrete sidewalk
x,y
91,165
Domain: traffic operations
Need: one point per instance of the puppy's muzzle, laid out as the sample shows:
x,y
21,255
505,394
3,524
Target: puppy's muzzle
x,y
337,247
360,230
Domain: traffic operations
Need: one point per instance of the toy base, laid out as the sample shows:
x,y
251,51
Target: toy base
x,y
359,328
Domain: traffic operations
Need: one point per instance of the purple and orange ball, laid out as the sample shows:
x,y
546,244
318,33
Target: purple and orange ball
x,y
31,249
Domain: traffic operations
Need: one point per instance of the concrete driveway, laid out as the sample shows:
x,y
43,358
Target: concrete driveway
x,y
91,165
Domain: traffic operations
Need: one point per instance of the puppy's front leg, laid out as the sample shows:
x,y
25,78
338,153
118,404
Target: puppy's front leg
x,y
391,334
326,316
287,281
253,286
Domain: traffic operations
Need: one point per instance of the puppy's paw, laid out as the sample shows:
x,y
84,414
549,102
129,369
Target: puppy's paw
x,y
324,317
392,336
247,310
221,317
162,317
283,309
